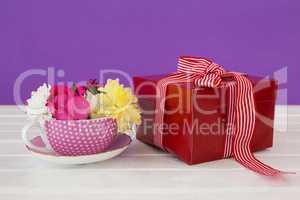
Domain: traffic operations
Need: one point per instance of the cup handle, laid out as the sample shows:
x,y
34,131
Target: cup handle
x,y
27,140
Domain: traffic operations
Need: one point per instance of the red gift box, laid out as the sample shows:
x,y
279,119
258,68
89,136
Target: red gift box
x,y
195,117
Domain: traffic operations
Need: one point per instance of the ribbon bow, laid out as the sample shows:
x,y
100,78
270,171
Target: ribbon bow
x,y
208,73
241,112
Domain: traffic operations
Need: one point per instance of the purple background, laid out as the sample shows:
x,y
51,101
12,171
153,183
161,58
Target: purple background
x,y
146,37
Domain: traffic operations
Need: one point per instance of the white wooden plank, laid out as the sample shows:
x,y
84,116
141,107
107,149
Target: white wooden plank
x,y
292,136
11,110
16,147
150,194
283,145
71,184
248,193
89,180
17,126
133,163
13,119
290,109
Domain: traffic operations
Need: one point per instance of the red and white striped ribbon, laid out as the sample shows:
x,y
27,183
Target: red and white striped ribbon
x,y
241,112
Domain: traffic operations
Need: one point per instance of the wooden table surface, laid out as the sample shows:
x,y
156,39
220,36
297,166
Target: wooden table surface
x,y
142,172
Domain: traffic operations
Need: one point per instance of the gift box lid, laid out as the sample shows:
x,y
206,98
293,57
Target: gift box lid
x,y
259,84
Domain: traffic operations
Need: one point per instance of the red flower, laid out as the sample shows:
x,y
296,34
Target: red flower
x,y
92,83
65,105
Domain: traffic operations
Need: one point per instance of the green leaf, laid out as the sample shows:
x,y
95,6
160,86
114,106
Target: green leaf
x,y
93,90
100,91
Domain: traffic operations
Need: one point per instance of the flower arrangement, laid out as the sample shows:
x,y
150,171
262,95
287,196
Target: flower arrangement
x,y
88,101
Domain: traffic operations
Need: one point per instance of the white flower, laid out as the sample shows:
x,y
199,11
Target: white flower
x,y
93,100
36,104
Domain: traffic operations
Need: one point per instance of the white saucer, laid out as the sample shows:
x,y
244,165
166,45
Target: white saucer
x,y
119,145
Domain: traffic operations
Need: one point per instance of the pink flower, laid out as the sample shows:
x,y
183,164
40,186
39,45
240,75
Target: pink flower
x,y
78,107
80,90
65,105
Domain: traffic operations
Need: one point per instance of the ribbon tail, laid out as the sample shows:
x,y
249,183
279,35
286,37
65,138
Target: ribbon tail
x,y
244,127
230,120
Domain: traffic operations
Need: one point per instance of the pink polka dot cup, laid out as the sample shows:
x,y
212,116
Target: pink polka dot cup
x,y
73,137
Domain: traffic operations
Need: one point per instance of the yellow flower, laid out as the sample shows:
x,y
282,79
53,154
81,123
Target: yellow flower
x,y
118,102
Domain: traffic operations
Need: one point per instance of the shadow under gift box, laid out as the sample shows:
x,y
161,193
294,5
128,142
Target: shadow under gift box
x,y
195,117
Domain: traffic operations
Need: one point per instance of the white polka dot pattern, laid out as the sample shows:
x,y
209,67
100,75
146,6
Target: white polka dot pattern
x,y
81,137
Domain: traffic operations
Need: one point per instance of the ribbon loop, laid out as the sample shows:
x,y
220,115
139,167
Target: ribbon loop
x,y
214,68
